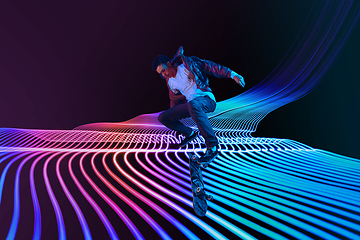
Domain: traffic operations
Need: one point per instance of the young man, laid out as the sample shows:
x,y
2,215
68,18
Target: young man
x,y
186,79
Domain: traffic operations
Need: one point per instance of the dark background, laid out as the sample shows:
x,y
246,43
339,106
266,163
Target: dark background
x,y
71,63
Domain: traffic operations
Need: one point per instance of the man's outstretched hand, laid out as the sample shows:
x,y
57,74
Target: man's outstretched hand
x,y
239,80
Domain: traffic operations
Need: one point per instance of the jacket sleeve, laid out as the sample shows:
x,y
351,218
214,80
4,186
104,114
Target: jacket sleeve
x,y
214,69
176,60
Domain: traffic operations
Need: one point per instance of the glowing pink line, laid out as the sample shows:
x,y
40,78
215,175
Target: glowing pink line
x,y
98,210
164,179
115,207
142,198
194,219
76,207
154,206
16,210
37,213
59,217
133,205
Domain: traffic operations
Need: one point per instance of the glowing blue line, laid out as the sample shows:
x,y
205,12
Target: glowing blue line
x,y
294,205
37,214
171,204
8,165
228,171
258,205
16,212
229,226
298,178
237,218
350,161
292,172
296,166
281,176
273,188
308,159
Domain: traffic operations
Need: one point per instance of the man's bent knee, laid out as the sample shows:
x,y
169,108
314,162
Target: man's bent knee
x,y
162,117
195,106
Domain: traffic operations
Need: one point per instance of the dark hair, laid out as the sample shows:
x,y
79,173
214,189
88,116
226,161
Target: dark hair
x,y
159,59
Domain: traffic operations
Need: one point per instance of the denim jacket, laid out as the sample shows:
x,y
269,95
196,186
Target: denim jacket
x,y
200,68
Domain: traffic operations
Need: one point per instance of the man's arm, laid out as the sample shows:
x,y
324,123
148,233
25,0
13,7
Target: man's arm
x,y
176,99
239,79
217,70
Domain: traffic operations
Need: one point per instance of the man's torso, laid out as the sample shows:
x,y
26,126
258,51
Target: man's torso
x,y
185,82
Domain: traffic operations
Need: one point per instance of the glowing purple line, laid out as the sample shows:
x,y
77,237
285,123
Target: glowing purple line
x,y
228,225
37,214
165,179
98,210
59,217
181,227
143,198
111,203
158,186
16,211
76,207
133,205
4,172
194,219
184,176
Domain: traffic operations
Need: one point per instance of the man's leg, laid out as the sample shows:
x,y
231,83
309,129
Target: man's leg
x,y
198,107
171,118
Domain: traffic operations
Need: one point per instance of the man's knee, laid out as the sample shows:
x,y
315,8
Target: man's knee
x,y
161,117
164,117
195,106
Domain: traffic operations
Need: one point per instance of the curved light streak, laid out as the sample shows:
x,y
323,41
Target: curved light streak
x,y
130,179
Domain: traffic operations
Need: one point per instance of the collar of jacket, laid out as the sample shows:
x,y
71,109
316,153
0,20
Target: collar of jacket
x,y
190,64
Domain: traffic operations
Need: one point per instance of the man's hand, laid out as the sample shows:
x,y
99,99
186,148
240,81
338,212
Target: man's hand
x,y
239,80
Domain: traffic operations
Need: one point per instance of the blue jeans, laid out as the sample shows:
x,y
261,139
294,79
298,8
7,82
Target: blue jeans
x,y
196,109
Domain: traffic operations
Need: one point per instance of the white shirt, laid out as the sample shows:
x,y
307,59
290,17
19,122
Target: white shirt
x,y
186,85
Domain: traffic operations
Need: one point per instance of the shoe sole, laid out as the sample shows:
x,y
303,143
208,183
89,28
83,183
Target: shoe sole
x,y
186,143
207,163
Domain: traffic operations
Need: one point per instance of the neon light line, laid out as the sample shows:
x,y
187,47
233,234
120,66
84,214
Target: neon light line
x,y
167,202
263,187
82,220
95,206
154,206
111,203
16,211
36,205
134,206
230,226
6,169
59,217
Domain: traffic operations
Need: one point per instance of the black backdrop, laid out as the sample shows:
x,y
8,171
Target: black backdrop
x,y
70,63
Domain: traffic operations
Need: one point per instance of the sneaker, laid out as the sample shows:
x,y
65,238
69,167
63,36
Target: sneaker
x,y
208,157
188,139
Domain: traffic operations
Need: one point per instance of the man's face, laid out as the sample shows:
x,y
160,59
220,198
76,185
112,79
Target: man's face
x,y
165,70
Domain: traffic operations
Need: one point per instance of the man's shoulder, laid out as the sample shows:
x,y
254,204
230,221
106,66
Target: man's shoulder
x,y
191,61
194,58
180,65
